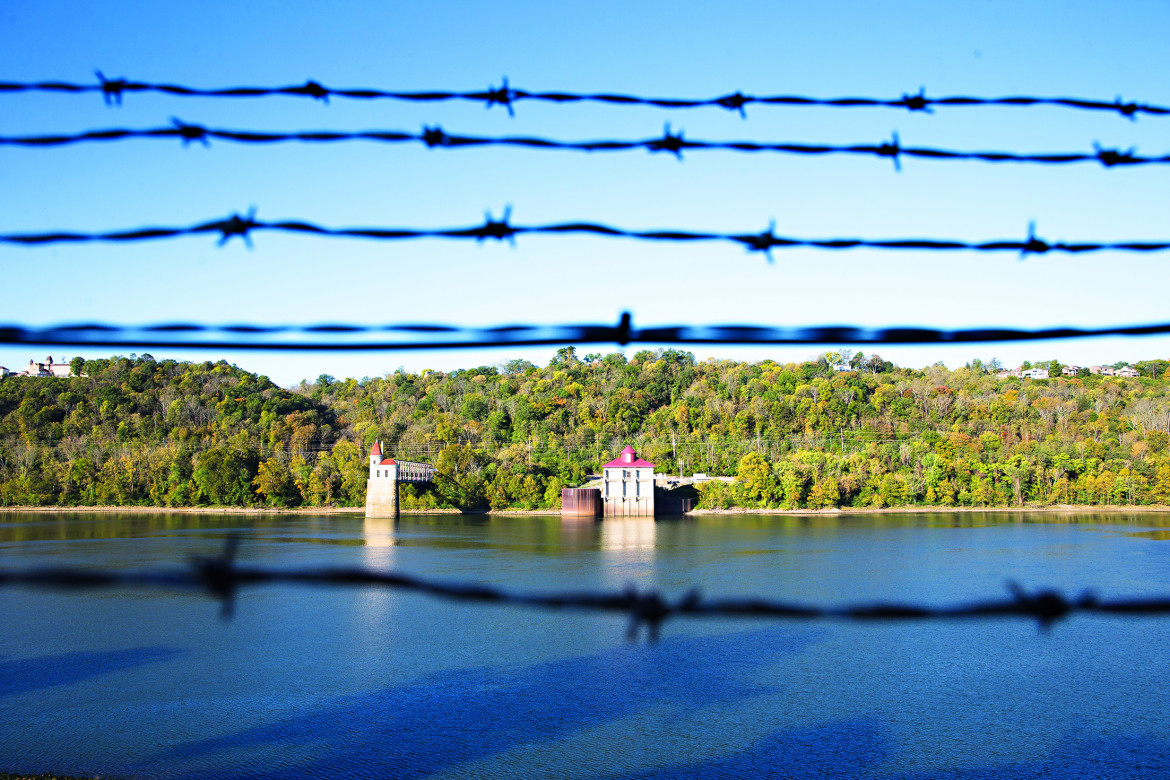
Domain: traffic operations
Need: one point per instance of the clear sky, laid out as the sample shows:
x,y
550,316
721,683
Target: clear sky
x,y
975,47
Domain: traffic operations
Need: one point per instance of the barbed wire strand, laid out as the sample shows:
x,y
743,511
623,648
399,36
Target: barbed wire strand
x,y
243,226
349,337
221,578
671,142
113,91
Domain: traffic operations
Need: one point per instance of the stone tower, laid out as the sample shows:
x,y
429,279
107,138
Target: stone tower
x,y
382,485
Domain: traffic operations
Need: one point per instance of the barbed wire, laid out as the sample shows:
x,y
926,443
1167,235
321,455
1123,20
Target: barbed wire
x,y
672,142
502,229
372,337
114,89
221,578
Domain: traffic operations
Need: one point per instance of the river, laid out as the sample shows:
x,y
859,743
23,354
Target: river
x,y
362,683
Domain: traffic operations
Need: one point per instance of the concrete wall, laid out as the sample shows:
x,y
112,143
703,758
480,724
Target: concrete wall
x,y
628,492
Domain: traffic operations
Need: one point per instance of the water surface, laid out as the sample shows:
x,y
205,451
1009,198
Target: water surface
x,y
333,683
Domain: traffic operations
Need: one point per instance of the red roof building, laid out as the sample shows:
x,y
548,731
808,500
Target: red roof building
x,y
628,486
629,460
382,485
376,457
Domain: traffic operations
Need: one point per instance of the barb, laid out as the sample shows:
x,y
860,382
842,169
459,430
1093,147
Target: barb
x,y
353,337
235,225
222,579
112,91
673,143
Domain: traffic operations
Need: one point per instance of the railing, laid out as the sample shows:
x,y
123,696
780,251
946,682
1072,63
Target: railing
x,y
413,471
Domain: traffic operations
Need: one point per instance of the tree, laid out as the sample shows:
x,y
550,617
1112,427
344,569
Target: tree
x,y
756,476
517,366
475,408
224,476
1162,483
825,494
275,482
565,356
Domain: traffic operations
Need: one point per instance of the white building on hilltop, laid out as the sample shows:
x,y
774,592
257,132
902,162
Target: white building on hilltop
x,y
629,486
48,368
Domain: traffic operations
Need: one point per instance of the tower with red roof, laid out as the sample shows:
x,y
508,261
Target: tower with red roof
x,y
382,485
628,489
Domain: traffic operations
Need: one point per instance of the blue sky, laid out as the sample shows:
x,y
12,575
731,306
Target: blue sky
x,y
975,47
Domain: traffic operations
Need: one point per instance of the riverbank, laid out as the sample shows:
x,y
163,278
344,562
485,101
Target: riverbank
x,y
935,509
849,510
260,510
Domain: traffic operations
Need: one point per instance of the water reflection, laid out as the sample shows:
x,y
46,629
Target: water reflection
x,y
625,534
579,533
547,533
378,532
79,526
627,549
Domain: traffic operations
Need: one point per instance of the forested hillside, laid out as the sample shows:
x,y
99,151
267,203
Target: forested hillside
x,y
139,431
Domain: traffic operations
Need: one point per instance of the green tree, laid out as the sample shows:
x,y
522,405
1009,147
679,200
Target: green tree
x,y
825,494
275,482
224,476
755,474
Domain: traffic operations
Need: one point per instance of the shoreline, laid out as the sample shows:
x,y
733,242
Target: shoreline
x,y
851,510
935,509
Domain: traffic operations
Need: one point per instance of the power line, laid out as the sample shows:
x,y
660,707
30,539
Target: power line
x,y
501,229
674,143
113,90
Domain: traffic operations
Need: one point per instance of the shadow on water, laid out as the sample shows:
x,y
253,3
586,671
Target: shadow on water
x,y
454,717
857,748
30,674
846,748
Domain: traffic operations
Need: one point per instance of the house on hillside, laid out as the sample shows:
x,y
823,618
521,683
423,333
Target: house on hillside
x,y
1129,371
1101,370
1034,373
1070,370
48,368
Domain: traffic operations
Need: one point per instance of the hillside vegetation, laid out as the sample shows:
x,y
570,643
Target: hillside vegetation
x,y
136,431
